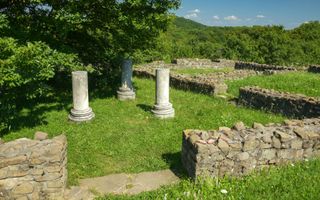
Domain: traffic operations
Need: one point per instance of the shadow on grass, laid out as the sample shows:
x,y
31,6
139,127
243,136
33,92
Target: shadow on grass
x,y
144,107
32,114
174,160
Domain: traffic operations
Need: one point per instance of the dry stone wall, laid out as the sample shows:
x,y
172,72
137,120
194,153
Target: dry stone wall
x,y
240,150
203,63
187,83
292,105
33,169
262,67
314,69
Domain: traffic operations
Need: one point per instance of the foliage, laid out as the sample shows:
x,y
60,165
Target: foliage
x,y
262,44
124,136
98,31
24,74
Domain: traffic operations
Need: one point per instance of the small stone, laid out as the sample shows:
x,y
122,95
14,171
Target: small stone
x,y
224,129
1,141
250,144
276,143
4,173
223,146
211,141
301,133
23,188
40,136
267,139
194,138
257,126
243,156
239,126
296,144
283,136
204,135
268,154
313,135
12,161
201,142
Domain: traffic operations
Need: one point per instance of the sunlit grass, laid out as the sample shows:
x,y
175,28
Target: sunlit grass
x,y
125,137
293,82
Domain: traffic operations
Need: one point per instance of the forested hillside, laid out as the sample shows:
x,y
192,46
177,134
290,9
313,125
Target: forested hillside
x,y
263,44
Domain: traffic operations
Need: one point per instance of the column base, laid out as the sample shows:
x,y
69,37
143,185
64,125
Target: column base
x,y
81,115
126,94
163,111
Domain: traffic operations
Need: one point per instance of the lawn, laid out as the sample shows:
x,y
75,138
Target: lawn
x,y
292,182
293,82
201,71
124,136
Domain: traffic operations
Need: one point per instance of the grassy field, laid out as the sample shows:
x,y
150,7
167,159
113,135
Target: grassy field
x,y
294,82
124,136
201,71
292,182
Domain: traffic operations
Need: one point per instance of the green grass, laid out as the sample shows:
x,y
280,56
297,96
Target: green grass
x,y
125,137
294,82
202,71
297,182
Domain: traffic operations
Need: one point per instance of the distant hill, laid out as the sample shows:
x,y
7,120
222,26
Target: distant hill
x,y
184,23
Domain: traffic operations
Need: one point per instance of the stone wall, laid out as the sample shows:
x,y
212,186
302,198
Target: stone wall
x,y
33,169
291,105
187,83
202,63
262,67
314,69
240,150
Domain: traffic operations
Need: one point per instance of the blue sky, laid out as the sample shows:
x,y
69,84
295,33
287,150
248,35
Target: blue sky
x,y
290,13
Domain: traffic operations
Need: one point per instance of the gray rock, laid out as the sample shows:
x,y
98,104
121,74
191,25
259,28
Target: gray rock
x,y
239,126
40,136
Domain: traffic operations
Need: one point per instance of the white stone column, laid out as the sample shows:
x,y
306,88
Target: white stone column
x,y
163,108
81,110
126,91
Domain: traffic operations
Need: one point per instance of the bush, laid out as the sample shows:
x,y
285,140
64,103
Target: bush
x,y
24,74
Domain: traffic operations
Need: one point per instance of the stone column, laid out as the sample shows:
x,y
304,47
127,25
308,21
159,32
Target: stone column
x,y
126,91
162,108
81,110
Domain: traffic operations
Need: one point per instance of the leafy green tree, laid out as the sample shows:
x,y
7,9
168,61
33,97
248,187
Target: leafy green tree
x,y
97,30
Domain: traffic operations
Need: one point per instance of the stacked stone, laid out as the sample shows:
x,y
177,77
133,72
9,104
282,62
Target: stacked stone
x,y
184,82
292,105
262,67
240,150
33,169
314,69
193,62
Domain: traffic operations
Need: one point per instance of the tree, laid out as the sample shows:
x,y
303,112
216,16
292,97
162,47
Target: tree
x,y
97,30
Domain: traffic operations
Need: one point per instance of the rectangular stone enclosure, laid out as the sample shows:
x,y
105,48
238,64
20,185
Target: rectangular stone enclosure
x,y
240,150
32,169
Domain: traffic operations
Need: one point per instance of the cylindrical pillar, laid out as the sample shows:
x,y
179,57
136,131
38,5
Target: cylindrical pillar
x,y
163,108
126,91
81,110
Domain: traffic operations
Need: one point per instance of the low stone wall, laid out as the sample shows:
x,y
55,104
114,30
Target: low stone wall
x,y
314,69
202,63
262,67
291,105
240,150
187,83
33,169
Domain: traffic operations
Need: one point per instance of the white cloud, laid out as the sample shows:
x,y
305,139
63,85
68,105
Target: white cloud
x,y
231,18
194,11
216,17
260,16
191,15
